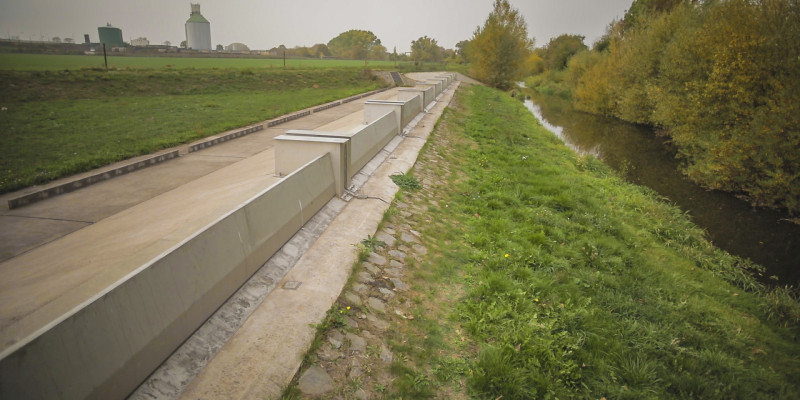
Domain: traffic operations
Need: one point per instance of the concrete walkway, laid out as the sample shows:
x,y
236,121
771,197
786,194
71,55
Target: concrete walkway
x,y
62,252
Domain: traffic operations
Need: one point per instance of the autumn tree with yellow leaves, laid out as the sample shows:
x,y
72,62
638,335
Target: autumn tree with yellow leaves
x,y
720,78
500,48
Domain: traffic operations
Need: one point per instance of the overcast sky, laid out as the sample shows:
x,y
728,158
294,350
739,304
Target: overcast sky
x,y
263,24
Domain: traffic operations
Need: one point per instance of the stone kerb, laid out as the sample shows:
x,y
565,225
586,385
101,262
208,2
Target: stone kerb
x,y
288,118
294,151
327,106
106,346
44,194
224,138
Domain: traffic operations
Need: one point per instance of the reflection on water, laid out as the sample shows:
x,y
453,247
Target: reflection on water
x,y
559,131
764,236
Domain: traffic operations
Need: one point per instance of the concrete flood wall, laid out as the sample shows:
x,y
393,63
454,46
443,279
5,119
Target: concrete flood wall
x,y
291,152
437,84
363,143
427,94
368,139
351,150
106,347
405,110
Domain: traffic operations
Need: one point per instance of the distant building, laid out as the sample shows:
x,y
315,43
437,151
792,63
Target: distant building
x,y
110,35
142,41
237,47
198,30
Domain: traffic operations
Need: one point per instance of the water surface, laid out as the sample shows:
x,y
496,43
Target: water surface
x,y
762,235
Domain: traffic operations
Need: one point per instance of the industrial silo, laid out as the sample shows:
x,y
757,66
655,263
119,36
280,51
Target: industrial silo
x,y
198,30
111,36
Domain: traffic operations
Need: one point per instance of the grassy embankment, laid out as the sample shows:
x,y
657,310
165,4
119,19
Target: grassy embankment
x,y
549,276
64,115
57,123
42,62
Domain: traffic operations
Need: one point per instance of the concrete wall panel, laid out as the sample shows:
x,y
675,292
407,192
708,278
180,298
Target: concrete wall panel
x,y
363,141
449,78
411,108
405,110
437,84
409,93
292,152
276,216
440,85
375,109
107,346
368,140
428,93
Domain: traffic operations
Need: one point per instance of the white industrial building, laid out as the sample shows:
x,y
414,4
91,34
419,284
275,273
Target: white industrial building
x,y
141,41
239,47
198,30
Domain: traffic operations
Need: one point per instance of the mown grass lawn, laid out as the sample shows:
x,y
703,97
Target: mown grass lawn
x,y
549,276
47,62
57,123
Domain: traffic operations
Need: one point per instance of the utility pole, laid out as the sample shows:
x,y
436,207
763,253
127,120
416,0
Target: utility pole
x,y
105,58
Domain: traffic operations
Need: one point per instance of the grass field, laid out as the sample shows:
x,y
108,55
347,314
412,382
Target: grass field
x,y
550,277
64,114
43,62
60,122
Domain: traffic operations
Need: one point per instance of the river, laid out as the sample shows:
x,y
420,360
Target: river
x,y
762,235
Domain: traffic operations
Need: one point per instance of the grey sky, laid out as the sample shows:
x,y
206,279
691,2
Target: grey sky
x,y
263,24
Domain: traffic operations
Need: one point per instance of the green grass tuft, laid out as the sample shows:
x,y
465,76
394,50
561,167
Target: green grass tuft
x,y
405,181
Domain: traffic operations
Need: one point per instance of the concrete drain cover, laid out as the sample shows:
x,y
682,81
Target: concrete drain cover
x,y
292,285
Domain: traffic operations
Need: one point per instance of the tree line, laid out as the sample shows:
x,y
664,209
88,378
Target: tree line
x,y
356,44
721,79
